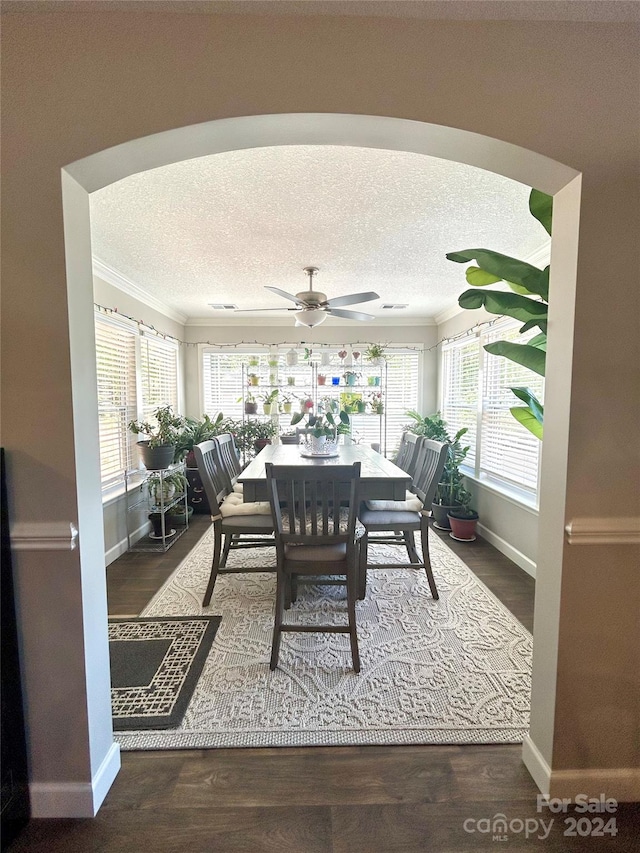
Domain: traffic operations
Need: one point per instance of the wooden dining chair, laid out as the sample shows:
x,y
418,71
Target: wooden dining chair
x,y
407,458
397,521
228,456
241,524
314,511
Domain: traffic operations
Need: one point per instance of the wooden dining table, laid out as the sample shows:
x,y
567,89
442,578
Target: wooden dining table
x,y
380,479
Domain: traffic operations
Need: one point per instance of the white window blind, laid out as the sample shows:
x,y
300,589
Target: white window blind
x,y
476,390
509,452
158,374
222,380
117,397
460,372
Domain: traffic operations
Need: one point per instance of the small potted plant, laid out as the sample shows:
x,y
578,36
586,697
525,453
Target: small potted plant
x,y
253,379
291,380
159,447
324,428
163,488
375,401
250,404
375,354
463,519
254,361
286,403
350,377
269,401
322,379
361,406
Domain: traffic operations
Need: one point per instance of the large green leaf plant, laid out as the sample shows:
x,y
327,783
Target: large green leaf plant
x,y
527,302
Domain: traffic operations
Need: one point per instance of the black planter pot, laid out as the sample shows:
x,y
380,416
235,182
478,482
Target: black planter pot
x,y
155,458
440,515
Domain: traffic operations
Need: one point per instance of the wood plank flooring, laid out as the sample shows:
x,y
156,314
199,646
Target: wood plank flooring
x,y
358,799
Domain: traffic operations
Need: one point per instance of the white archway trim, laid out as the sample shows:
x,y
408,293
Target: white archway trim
x,y
84,176
361,131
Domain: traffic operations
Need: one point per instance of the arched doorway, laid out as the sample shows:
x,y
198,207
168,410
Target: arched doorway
x,y
81,178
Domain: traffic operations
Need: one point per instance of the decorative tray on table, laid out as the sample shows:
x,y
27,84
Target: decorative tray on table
x,y
319,454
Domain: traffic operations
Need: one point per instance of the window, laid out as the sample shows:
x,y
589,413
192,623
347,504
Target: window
x,y
476,394
137,372
222,386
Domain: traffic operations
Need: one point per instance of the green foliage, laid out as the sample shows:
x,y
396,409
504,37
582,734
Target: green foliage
x,y
247,432
164,432
324,424
374,351
194,431
530,415
532,357
528,303
165,488
450,491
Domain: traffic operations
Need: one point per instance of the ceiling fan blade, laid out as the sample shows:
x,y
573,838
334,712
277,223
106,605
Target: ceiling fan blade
x,y
349,315
351,299
283,293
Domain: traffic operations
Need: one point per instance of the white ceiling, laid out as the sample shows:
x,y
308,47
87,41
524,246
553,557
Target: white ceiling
x,y
219,228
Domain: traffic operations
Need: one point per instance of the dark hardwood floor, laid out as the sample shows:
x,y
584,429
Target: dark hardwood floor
x,y
360,799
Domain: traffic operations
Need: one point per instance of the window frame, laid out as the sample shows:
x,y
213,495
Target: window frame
x,y
519,494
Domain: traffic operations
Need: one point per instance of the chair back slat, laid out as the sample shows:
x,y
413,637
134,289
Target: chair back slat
x,y
433,459
213,478
228,458
310,498
408,453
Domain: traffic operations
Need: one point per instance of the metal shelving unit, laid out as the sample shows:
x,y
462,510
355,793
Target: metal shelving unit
x,y
168,535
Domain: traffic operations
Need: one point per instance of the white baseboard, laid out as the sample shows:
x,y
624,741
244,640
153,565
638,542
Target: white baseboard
x,y
536,764
122,546
508,550
75,799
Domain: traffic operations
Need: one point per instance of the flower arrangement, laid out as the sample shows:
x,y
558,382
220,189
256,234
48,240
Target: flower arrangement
x,y
376,403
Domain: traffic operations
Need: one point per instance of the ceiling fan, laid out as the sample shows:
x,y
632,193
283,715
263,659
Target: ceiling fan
x,y
312,306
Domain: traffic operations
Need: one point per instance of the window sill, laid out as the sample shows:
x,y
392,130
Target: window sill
x,y
117,492
514,495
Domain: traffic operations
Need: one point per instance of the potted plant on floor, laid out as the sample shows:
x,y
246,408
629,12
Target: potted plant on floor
x,y
159,447
450,493
463,520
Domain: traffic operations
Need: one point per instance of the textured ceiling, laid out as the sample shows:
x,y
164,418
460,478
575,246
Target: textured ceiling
x,y
219,228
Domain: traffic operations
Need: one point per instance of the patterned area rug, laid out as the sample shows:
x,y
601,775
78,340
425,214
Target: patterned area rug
x,y
452,671
155,666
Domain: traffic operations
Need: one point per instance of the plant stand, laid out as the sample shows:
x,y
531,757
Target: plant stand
x,y
164,535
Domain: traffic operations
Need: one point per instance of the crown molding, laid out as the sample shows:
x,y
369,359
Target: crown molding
x,y
288,323
117,279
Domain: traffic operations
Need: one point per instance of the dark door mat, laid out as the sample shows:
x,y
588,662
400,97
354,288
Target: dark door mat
x,y
155,666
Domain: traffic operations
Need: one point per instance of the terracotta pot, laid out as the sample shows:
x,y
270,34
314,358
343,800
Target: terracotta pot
x,y
463,529
261,443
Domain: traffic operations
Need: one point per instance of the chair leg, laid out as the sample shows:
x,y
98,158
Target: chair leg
x,y
410,542
215,563
362,568
352,586
227,547
424,535
282,583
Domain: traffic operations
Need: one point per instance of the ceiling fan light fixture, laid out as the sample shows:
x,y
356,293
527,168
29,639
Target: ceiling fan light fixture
x,y
310,317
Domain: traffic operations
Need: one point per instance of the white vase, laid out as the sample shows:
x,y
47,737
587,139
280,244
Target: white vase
x,y
318,443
